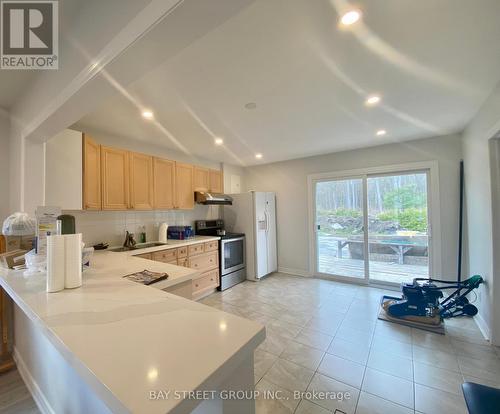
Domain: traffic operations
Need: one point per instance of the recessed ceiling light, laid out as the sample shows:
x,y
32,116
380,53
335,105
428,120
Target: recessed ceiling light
x,y
350,17
219,141
251,105
372,100
258,156
147,114
381,132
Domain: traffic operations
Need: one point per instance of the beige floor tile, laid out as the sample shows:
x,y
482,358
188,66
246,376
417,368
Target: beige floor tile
x,y
432,401
327,326
307,407
263,361
284,329
343,370
352,351
354,335
296,319
288,375
390,346
442,379
314,339
467,335
274,344
393,331
286,404
389,387
371,404
489,383
360,322
483,352
430,339
302,355
391,364
439,359
346,396
480,368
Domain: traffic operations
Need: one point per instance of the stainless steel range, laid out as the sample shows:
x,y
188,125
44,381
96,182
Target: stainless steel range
x,y
232,263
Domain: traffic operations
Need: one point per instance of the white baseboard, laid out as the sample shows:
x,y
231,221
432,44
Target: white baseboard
x,y
34,389
296,272
483,327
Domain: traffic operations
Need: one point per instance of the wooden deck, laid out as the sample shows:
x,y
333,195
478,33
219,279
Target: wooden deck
x,y
381,271
331,262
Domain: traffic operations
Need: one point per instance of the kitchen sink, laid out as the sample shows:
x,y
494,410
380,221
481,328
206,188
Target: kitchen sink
x,y
137,247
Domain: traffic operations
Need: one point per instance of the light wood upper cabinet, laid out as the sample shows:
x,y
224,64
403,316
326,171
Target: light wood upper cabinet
x,y
216,181
91,174
164,184
201,179
115,178
184,193
141,181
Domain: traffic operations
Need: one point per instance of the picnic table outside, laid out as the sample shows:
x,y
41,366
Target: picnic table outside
x,y
400,247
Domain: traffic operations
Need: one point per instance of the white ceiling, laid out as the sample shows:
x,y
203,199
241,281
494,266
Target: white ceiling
x,y
433,62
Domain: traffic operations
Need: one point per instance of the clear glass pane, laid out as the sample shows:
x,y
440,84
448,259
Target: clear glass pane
x,y
397,227
340,239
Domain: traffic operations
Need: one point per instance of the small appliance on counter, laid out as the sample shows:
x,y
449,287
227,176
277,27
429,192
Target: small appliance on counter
x,y
231,250
162,232
180,232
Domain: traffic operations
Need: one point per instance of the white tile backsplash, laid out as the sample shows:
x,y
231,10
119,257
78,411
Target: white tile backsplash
x,y
110,226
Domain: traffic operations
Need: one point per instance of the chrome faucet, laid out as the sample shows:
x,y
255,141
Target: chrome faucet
x,y
129,241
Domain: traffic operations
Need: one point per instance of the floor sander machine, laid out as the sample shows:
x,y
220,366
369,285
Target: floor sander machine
x,y
424,303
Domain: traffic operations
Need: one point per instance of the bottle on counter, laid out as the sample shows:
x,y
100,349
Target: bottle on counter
x,y
142,236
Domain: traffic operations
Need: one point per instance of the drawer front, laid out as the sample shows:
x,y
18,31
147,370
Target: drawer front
x,y
204,262
182,262
182,252
195,249
209,280
211,246
165,256
144,256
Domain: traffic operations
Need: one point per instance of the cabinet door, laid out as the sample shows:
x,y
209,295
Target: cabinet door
x,y
216,181
184,186
141,181
164,184
115,179
201,179
91,174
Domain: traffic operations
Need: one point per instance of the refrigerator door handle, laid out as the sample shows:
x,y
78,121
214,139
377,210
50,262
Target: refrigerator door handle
x,y
267,221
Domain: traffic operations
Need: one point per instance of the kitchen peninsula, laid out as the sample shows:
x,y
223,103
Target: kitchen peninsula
x,y
121,344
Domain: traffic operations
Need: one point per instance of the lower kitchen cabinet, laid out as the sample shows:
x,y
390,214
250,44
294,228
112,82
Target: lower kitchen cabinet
x,y
203,256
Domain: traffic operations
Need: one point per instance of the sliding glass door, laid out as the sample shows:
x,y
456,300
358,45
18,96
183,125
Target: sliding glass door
x,y
340,222
398,228
373,227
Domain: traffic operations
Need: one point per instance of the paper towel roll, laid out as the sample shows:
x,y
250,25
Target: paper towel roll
x,y
55,263
73,244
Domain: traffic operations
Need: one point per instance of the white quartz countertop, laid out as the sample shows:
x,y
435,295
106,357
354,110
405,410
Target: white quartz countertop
x,y
171,244
125,339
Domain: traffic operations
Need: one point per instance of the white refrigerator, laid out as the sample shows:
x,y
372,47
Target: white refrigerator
x,y
254,213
